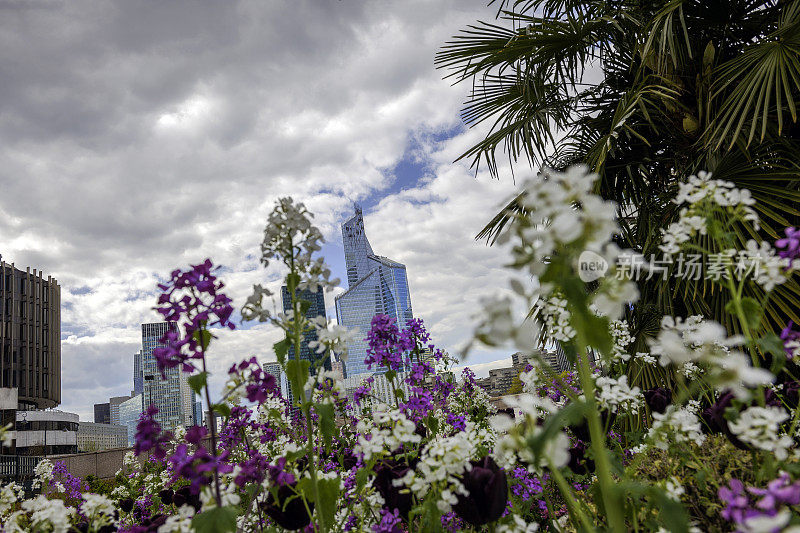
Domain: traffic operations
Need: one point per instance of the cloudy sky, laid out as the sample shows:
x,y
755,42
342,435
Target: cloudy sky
x,y
137,137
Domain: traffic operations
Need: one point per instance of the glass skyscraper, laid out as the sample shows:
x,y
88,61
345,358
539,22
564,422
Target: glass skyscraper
x,y
172,396
129,413
376,285
317,308
138,374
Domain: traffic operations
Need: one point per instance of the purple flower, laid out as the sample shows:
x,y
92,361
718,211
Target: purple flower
x,y
390,522
487,486
791,340
149,435
780,491
790,245
260,385
252,470
278,473
192,297
363,390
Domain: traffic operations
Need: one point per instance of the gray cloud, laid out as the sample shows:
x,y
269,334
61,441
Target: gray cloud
x,y
138,136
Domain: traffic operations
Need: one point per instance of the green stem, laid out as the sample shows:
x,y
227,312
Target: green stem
x,y
297,323
737,305
608,489
566,491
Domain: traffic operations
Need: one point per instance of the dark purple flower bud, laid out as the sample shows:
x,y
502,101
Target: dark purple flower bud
x,y
126,504
658,399
488,493
166,496
288,513
791,393
578,462
394,497
715,421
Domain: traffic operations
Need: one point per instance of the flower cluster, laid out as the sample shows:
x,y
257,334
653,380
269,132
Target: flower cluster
x,y
699,191
193,298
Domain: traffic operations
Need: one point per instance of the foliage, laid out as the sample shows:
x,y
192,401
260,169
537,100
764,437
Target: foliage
x,y
645,93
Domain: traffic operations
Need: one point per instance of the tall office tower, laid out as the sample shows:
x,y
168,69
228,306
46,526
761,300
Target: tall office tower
x,y
376,285
172,396
30,336
113,408
138,374
102,413
275,369
317,308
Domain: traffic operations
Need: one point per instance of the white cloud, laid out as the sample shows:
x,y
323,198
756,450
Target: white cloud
x,y
137,140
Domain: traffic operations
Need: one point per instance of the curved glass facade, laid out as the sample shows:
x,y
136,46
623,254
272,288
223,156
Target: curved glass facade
x,y
380,288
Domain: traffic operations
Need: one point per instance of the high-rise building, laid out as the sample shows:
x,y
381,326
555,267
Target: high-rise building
x,y
30,336
129,413
317,308
138,374
198,413
275,369
376,285
113,408
172,396
102,413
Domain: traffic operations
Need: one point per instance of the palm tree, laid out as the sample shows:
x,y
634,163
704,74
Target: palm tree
x,y
646,93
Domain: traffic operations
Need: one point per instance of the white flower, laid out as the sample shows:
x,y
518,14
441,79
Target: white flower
x,y
620,334
615,394
179,523
227,493
696,191
333,337
10,493
765,523
98,509
675,426
388,428
760,426
645,358
43,473
518,525
767,267
556,317
48,515
674,488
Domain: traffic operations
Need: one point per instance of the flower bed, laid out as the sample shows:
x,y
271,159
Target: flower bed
x,y
711,447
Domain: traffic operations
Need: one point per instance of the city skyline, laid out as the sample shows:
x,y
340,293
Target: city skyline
x,y
175,165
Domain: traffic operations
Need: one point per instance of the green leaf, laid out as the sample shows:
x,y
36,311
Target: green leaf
x,y
433,424
390,375
281,348
329,497
327,422
671,513
203,337
198,381
297,373
222,408
216,520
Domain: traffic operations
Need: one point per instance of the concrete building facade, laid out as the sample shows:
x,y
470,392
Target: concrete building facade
x,y
46,432
93,437
30,336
